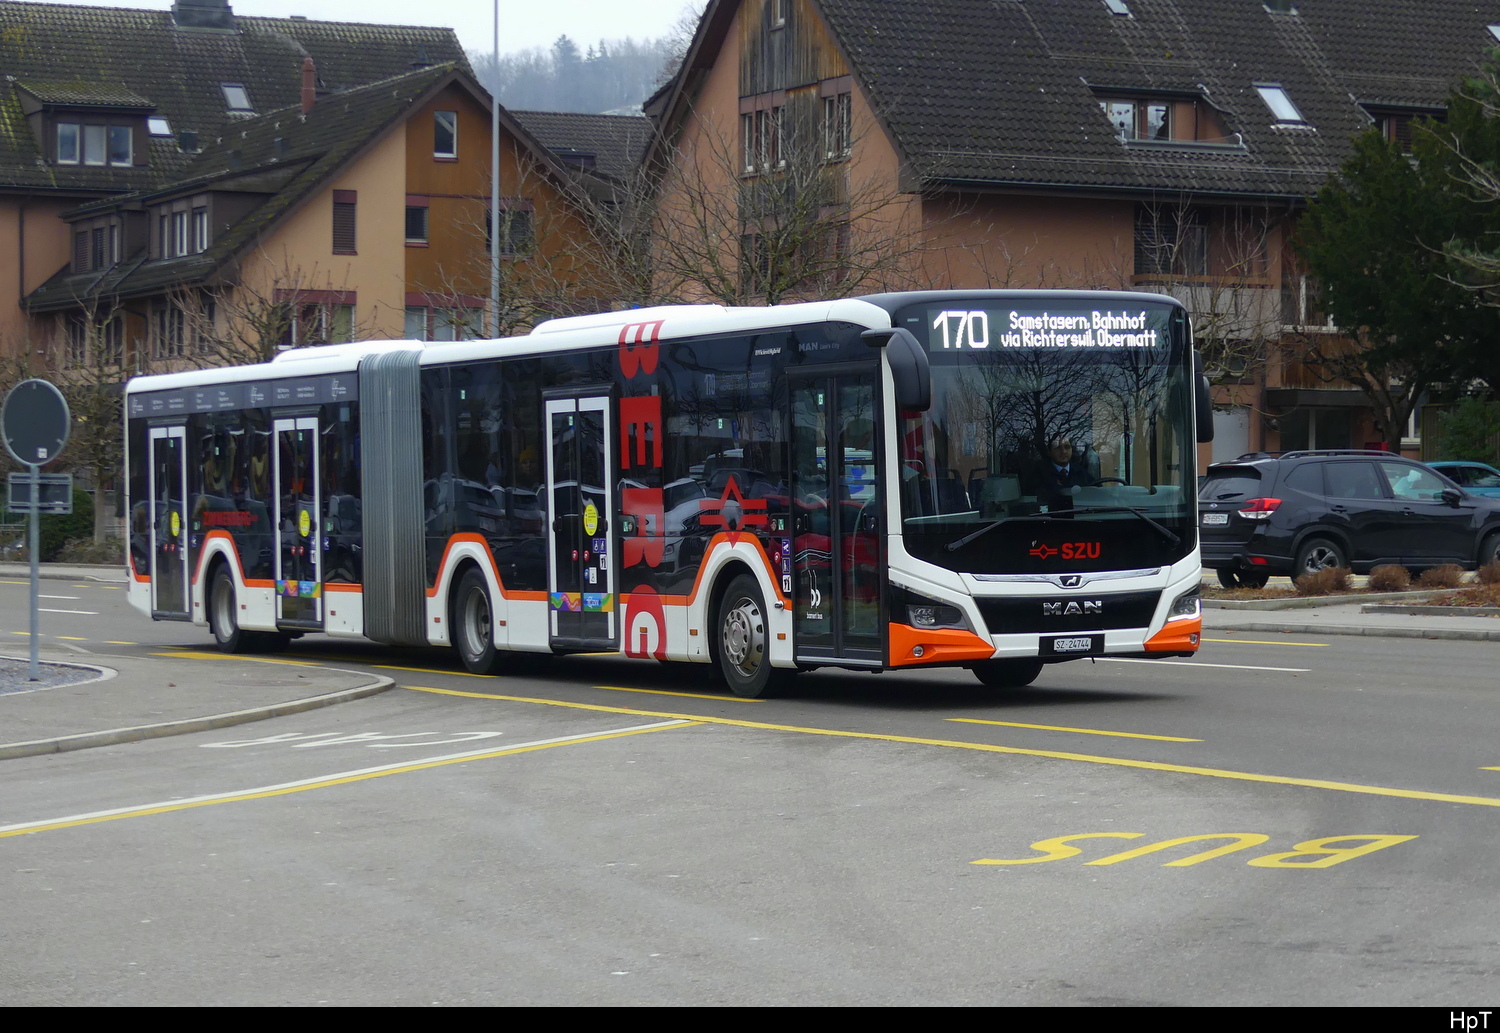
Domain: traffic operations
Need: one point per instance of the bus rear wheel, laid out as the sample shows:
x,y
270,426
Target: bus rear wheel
x,y
742,640
474,624
1007,674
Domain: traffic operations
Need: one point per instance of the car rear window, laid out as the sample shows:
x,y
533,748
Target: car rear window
x,y
1308,478
1238,482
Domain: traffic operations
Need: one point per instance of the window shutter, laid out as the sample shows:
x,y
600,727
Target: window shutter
x,y
344,205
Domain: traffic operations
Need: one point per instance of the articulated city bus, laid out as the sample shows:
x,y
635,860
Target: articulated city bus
x,y
994,480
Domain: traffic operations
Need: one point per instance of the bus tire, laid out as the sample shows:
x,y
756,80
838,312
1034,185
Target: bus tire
x,y
1007,674
474,624
740,643
224,615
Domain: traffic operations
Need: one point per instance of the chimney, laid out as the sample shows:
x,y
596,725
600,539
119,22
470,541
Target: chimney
x,y
203,14
309,85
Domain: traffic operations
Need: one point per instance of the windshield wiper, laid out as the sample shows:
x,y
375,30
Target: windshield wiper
x,y
1162,529
966,539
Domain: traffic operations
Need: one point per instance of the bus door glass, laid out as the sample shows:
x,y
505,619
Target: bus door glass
x,y
836,543
580,539
295,491
169,522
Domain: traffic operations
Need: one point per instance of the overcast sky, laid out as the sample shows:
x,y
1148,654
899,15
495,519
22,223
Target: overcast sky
x,y
523,23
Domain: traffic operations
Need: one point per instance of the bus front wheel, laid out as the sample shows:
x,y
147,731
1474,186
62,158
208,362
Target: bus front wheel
x,y
1007,674
742,642
223,615
474,624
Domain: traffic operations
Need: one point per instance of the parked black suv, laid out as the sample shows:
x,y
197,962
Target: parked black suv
x,y
1295,513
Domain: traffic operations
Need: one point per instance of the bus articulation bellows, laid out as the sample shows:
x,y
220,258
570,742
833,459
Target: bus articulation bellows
x,y
994,480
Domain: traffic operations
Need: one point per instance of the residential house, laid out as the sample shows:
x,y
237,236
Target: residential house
x,y
1163,145
101,101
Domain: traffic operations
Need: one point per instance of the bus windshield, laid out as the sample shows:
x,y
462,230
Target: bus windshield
x,y
1058,439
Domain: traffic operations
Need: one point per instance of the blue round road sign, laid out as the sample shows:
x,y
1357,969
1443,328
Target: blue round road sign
x,y
35,422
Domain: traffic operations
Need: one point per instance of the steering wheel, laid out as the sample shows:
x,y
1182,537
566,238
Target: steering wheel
x,y
1112,480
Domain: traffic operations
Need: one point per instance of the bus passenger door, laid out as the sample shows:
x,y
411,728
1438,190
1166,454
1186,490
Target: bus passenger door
x,y
295,488
580,539
836,524
169,522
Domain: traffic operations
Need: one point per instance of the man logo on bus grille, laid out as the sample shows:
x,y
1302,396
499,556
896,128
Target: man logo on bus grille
x,y
1073,608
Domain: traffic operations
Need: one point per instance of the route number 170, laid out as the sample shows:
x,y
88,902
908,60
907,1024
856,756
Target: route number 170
x,y
963,329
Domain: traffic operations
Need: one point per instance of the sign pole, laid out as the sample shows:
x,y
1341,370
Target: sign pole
x,y
36,574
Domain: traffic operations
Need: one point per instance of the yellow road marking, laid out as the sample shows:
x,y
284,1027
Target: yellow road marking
x,y
726,698
15,582
345,778
121,643
1080,731
72,638
1269,642
188,654
1122,762
430,670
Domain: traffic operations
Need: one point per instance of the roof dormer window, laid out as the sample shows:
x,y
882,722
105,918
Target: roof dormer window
x,y
1280,104
236,97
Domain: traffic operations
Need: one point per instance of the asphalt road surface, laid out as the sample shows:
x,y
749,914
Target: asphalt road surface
x,y
1280,821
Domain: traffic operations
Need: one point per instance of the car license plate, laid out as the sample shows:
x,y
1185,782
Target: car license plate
x,y
1074,644
1215,519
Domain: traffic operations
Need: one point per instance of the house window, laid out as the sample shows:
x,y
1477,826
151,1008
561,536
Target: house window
x,y
101,248
1170,241
1280,104
445,134
120,141
158,126
777,13
67,143
200,230
81,251
236,98
838,135
416,220
1139,119
93,145
310,323
761,139
180,233
344,206
516,227
170,331
444,323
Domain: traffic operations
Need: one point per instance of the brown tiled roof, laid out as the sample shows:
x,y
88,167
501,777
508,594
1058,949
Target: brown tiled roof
x,y
1002,92
617,142
82,55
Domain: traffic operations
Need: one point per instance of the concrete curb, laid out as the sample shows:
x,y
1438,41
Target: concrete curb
x,y
1436,611
115,736
1452,634
1309,602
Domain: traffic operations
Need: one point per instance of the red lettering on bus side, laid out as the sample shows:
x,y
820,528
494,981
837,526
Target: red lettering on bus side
x,y
642,415
643,605
648,507
638,347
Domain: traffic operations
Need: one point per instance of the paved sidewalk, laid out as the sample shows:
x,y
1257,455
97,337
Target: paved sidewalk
x,y
1346,618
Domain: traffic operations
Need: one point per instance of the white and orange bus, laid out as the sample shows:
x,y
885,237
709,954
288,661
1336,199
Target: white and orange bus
x,y
994,480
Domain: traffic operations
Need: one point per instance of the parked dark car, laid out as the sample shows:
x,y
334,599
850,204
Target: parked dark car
x,y
1296,513
1474,478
